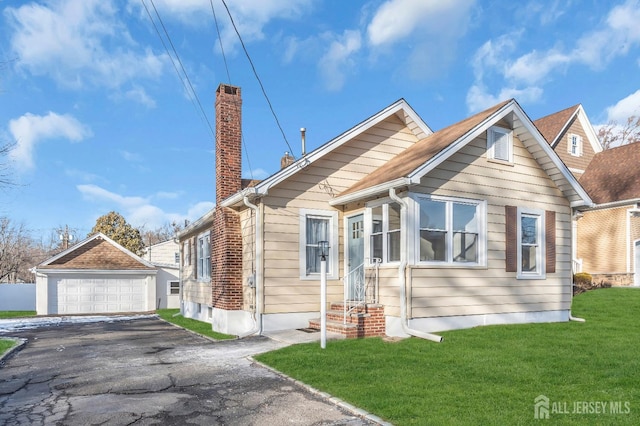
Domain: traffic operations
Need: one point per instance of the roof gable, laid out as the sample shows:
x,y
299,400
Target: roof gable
x,y
411,165
97,252
613,175
553,126
400,108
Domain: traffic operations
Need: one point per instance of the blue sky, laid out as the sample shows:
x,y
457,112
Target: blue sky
x,y
102,121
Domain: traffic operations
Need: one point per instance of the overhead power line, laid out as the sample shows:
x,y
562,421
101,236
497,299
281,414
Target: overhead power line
x,y
187,86
255,72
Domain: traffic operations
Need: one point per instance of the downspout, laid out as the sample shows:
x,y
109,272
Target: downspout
x,y
574,255
258,272
403,283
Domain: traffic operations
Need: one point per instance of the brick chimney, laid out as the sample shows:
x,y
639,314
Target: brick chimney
x,y
226,237
228,141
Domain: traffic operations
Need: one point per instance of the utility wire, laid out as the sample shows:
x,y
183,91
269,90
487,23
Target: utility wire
x,y
257,77
226,66
189,89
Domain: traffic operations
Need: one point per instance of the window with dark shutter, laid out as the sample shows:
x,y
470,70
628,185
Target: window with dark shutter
x,y
550,241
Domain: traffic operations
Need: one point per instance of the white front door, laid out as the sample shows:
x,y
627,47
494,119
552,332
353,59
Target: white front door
x,y
355,242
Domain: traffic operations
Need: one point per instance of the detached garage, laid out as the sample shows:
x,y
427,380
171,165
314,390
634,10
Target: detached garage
x,y
96,276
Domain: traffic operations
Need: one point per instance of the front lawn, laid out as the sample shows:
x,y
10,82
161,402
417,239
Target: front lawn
x,y
5,345
16,314
490,375
199,327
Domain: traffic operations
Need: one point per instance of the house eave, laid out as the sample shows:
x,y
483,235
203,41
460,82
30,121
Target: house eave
x,y
613,204
373,191
96,271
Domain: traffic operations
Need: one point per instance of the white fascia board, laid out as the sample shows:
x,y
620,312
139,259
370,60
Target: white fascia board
x,y
197,224
562,168
613,204
562,131
262,188
589,130
452,148
368,192
50,271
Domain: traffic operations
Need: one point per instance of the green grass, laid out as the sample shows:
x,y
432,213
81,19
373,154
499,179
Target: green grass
x,y
199,327
16,314
5,345
488,375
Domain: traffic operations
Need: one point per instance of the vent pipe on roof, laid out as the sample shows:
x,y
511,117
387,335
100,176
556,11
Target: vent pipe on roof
x,y
303,132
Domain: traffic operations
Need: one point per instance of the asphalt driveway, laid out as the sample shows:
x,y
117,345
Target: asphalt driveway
x,y
148,372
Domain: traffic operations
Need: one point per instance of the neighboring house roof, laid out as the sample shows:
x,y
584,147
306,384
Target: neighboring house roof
x,y
553,126
411,165
614,175
400,108
98,252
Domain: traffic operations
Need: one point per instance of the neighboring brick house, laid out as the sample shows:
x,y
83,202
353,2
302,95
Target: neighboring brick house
x,y
609,233
427,231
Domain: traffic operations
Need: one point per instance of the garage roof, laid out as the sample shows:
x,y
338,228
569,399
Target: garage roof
x,y
98,252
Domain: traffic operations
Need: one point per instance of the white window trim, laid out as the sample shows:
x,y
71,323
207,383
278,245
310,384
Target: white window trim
x,y
540,273
332,261
482,231
491,143
570,145
199,275
169,288
368,230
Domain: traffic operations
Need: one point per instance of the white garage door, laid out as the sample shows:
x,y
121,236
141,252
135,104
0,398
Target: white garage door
x,y
101,295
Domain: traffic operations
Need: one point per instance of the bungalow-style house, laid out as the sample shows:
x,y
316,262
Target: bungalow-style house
x,y
95,276
166,257
609,233
466,226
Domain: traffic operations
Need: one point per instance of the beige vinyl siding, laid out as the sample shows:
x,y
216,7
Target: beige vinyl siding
x,y
602,241
459,290
193,290
247,230
313,188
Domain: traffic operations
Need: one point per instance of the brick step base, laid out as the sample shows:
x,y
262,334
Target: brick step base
x,y
363,321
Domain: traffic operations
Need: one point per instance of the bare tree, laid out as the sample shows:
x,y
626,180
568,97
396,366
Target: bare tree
x,y
160,234
14,251
612,134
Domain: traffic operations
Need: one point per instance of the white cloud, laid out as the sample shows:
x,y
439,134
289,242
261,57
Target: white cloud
x,y
130,156
398,19
429,30
526,74
31,129
625,108
72,42
337,60
140,211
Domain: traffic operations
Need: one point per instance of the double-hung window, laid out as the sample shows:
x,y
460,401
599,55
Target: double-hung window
x,y
203,264
500,144
317,226
385,235
531,243
575,145
451,230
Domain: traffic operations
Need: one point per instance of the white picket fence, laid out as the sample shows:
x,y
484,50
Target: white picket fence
x,y
17,297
